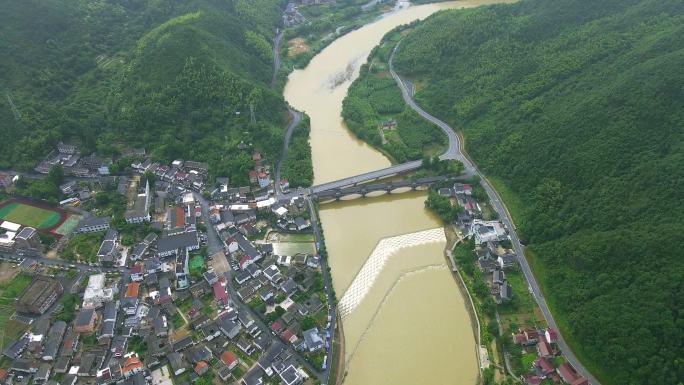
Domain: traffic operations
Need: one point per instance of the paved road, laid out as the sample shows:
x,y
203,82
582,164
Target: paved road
x,y
295,119
327,281
214,243
353,180
39,258
455,152
452,152
368,176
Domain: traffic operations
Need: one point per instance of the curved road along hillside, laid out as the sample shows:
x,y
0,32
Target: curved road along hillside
x,y
455,152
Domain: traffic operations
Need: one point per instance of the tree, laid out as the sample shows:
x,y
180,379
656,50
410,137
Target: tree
x,y
308,322
56,175
148,176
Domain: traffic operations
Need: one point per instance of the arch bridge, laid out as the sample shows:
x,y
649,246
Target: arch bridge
x,y
386,187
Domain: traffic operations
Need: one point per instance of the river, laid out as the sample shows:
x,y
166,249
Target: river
x,y
412,326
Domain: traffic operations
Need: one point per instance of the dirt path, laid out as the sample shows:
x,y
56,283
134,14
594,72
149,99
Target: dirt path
x,y
340,370
7,272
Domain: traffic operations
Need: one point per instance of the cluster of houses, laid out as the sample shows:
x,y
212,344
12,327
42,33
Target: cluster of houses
x,y
187,326
494,259
490,237
543,343
291,15
292,216
185,174
281,289
269,282
68,156
146,316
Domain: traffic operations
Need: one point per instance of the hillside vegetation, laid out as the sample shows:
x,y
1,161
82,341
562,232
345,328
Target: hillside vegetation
x,y
176,77
374,98
578,107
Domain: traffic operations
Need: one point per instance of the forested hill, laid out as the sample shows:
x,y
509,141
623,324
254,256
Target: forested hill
x,y
578,107
169,75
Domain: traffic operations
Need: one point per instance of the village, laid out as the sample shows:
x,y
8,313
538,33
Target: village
x,y
180,282
542,360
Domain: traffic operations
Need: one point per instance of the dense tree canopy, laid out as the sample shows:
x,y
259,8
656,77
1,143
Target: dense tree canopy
x,y
578,106
374,98
176,77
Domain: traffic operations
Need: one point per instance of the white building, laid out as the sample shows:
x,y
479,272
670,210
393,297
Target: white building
x,y
486,231
96,294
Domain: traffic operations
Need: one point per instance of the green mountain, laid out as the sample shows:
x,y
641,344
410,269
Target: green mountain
x,y
374,99
176,77
578,108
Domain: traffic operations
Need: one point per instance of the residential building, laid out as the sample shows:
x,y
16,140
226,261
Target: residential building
x,y
544,349
95,294
28,239
169,245
54,340
229,359
291,376
108,253
39,295
485,231
131,366
176,362
313,340
229,327
507,261
85,321
92,225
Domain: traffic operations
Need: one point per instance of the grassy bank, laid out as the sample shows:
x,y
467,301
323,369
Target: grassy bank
x,y
514,204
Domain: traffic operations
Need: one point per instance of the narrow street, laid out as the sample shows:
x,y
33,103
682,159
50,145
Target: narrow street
x,y
327,281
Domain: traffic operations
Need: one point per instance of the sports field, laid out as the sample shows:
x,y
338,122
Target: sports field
x,y
68,225
29,215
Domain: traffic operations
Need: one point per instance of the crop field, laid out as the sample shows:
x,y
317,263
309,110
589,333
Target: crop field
x,y
9,291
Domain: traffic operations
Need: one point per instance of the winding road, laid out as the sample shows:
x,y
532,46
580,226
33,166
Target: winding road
x,y
455,151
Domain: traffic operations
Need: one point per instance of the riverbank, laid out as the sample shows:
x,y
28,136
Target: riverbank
x,y
453,239
414,295
375,112
324,24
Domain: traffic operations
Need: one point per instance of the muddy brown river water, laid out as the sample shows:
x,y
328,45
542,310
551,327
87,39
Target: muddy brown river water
x,y
412,327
